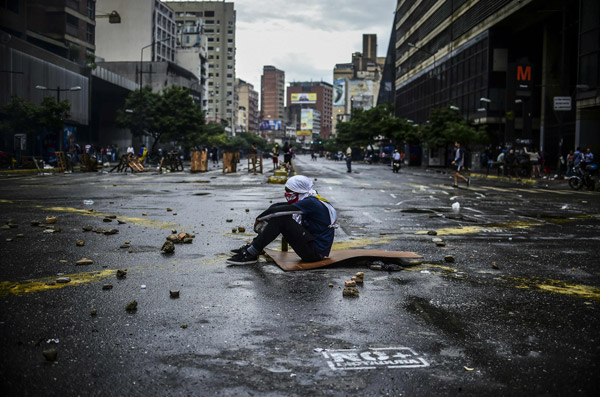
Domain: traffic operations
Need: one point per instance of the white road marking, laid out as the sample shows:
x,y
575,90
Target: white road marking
x,y
371,217
393,195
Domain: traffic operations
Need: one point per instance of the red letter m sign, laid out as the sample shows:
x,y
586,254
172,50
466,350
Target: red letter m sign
x,y
523,73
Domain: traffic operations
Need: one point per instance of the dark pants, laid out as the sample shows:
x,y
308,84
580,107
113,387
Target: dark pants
x,y
296,236
349,164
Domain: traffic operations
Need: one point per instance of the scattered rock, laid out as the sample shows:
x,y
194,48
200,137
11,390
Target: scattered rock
x,y
107,287
80,243
247,209
174,294
172,237
168,247
8,240
436,240
107,220
184,326
495,266
93,312
234,230
111,216
432,233
375,267
188,240
50,354
169,210
4,227
449,258
63,280
127,242
131,306
229,220
12,225
50,220
34,223
111,231
350,291
360,275
121,274
357,280
120,222
98,230
440,244
124,246
84,261
350,283
173,231
49,231
174,213
87,228
144,214
232,209
241,229
330,285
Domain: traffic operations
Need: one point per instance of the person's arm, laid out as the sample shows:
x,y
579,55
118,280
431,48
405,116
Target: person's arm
x,y
278,209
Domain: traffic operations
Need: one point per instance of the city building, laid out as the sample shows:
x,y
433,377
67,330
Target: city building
x,y
311,95
39,59
248,101
218,19
191,53
356,84
528,70
147,33
272,102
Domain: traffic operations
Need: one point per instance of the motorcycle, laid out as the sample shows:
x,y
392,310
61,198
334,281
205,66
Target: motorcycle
x,y
583,178
396,166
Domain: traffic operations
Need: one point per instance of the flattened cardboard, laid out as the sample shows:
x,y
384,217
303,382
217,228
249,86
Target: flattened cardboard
x,y
289,261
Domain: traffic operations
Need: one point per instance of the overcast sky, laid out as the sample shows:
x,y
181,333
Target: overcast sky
x,y
306,38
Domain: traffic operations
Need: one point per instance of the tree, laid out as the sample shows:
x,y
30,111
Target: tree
x,y
139,114
22,117
446,126
52,114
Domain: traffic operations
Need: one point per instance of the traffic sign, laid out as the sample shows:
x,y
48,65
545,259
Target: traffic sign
x,y
562,103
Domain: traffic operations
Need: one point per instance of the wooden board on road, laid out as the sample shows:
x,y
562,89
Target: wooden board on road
x,y
289,261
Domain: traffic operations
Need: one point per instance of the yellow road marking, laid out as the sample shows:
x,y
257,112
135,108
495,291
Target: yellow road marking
x,y
47,283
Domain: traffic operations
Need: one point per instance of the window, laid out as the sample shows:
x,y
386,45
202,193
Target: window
x,y
71,20
91,9
90,33
209,14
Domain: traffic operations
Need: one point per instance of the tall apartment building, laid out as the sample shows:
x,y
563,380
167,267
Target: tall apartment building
x,y
356,84
272,94
503,63
248,101
321,101
147,33
218,19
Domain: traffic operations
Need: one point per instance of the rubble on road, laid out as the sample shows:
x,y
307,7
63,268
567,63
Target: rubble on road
x,y
350,283
80,243
51,219
121,274
50,354
84,261
449,259
63,280
174,294
168,247
350,291
131,306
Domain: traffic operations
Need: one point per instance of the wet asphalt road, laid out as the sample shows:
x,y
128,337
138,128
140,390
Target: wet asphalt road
x,y
515,313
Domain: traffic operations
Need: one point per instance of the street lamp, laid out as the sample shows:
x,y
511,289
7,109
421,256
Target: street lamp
x,y
454,107
58,91
113,17
142,56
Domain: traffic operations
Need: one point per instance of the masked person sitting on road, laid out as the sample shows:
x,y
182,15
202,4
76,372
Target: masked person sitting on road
x,y
307,221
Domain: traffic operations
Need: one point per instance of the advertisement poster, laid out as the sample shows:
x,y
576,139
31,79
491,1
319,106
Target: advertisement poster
x,y
339,92
362,92
306,119
304,97
270,125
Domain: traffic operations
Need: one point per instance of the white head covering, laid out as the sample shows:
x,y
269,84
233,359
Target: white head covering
x,y
304,187
301,185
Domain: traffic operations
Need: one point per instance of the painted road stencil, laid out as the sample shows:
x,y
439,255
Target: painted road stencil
x,y
386,357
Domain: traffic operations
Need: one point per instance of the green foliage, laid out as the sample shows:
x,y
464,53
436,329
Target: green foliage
x,y
168,117
447,126
244,142
366,126
53,114
22,117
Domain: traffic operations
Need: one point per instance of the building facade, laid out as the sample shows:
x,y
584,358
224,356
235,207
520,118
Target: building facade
x,y
321,102
503,64
272,94
248,101
219,21
357,84
147,34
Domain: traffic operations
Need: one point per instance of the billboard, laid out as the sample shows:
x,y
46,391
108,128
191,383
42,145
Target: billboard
x,y
303,133
339,92
362,92
270,125
304,97
306,119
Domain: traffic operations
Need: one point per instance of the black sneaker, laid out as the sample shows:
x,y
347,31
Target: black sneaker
x,y
468,182
453,185
243,258
238,250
